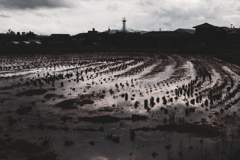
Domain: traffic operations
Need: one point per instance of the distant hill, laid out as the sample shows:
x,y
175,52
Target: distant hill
x,y
113,31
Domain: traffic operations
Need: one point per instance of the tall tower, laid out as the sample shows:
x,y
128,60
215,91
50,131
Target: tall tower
x,y
109,30
124,25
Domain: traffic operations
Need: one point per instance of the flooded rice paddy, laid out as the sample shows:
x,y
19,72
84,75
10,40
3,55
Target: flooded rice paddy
x,y
105,106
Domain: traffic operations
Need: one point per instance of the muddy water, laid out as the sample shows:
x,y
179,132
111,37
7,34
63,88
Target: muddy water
x,y
164,97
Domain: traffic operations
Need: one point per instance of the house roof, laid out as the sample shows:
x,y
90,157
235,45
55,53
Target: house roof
x,y
27,42
205,25
182,30
35,42
14,42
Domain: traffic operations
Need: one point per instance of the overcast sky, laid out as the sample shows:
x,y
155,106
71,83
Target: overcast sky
x,y
76,16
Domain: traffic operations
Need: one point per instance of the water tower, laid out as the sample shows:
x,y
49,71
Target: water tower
x,y
124,25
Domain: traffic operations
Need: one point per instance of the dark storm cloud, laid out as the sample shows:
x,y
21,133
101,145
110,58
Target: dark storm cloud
x,y
4,16
34,4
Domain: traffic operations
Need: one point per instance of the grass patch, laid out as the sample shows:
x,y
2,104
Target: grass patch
x,y
100,119
72,103
197,130
101,129
106,109
68,104
34,92
49,96
43,126
83,102
45,156
138,118
229,119
25,149
24,110
111,119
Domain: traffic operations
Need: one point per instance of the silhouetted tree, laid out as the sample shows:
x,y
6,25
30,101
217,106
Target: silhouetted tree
x,y
10,32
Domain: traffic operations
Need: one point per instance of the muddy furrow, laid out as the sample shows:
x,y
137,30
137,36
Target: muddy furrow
x,y
139,69
179,70
158,68
121,67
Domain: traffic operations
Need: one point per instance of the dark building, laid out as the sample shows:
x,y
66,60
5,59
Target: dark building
x,y
4,38
205,29
60,39
126,39
162,39
210,35
89,38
